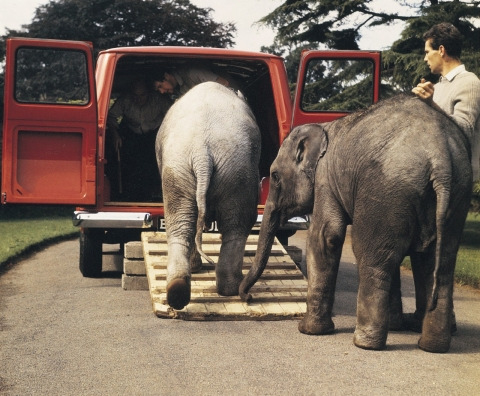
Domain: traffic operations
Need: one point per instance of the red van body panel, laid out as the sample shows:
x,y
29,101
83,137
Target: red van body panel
x,y
56,106
49,148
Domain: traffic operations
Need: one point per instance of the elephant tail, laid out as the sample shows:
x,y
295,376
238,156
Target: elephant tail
x,y
203,172
442,190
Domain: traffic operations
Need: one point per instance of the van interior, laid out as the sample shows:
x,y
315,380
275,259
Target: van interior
x,y
250,76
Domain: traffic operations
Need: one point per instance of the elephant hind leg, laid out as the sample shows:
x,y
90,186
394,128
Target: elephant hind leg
x,y
436,328
438,322
378,292
228,270
178,274
372,326
178,293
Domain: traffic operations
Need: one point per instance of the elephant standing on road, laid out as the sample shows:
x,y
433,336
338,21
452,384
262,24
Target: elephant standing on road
x,y
208,153
400,173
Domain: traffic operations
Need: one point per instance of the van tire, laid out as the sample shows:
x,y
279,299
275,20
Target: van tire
x,y
91,241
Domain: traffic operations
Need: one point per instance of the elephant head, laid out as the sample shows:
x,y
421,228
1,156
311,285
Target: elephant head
x,y
292,180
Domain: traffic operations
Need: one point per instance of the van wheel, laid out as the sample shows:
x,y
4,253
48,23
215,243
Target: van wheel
x,y
91,240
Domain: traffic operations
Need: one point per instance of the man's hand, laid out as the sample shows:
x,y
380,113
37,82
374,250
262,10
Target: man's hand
x,y
424,90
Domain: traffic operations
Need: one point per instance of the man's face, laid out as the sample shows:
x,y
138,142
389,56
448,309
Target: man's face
x,y
140,95
165,86
433,58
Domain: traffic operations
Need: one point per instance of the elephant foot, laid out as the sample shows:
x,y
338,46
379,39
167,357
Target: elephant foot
x,y
434,346
369,338
311,326
227,290
229,285
436,333
178,293
413,322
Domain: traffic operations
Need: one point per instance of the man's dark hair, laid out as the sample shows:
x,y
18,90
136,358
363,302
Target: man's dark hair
x,y
447,35
159,74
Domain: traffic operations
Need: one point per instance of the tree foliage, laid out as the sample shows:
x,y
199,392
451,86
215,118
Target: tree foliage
x,y
404,64
337,24
116,23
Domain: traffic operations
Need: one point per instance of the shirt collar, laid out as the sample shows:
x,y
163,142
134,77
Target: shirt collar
x,y
454,72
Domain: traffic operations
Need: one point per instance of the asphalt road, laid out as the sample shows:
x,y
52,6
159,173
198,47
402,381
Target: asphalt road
x,y
62,334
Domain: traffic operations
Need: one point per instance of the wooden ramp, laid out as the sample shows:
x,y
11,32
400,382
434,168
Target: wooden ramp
x,y
278,295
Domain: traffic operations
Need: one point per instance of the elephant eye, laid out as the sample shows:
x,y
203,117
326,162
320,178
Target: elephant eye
x,y
275,177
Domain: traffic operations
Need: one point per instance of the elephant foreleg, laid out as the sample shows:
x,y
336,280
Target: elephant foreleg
x,y
324,249
396,306
422,265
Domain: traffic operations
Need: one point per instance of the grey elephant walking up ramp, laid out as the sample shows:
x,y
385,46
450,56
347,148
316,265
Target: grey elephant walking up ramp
x,y
400,173
208,153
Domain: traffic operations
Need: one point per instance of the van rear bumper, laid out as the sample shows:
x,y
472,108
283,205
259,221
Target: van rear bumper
x,y
112,220
144,220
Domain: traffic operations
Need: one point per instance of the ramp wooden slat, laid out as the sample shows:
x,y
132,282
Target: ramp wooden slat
x,y
278,295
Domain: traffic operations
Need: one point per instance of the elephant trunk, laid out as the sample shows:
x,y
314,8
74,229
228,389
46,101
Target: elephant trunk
x,y
268,229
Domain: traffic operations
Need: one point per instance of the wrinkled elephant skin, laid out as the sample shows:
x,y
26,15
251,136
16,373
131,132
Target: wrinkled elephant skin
x,y
208,151
400,173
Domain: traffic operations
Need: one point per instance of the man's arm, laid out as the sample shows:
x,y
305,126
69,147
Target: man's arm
x,y
114,114
466,106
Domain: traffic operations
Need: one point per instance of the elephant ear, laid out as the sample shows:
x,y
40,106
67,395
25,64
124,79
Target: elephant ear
x,y
312,143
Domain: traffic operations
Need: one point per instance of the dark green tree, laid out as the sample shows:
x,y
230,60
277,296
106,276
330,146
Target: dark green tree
x,y
115,23
403,62
337,24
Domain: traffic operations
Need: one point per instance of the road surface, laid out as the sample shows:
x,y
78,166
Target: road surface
x,y
62,334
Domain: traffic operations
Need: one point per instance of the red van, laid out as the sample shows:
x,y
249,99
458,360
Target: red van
x,y
57,99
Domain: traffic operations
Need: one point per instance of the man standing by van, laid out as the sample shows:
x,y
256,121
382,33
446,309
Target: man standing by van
x,y
458,91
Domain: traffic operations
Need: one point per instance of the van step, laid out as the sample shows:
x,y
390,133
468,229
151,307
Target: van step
x,y
279,294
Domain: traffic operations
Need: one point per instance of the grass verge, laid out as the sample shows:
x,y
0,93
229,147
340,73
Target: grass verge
x,y
467,270
26,228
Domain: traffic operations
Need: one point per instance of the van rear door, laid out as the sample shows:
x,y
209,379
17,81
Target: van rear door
x,y
332,84
50,123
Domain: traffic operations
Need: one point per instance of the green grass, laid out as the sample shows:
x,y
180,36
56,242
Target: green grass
x,y
467,270
26,228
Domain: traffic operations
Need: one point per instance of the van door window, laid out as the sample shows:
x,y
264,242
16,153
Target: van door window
x,y
339,85
53,76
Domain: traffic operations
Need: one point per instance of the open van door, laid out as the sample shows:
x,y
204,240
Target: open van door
x,y
332,84
50,123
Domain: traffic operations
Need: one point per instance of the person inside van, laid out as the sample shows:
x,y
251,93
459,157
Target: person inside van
x,y
177,82
132,124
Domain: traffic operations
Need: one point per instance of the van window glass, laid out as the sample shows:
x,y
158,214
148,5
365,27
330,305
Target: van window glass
x,y
340,85
45,75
